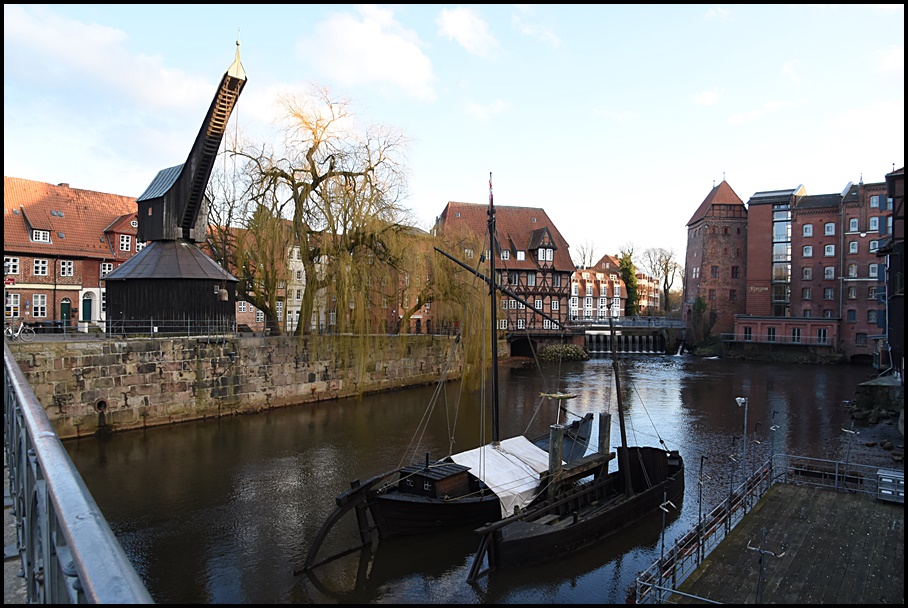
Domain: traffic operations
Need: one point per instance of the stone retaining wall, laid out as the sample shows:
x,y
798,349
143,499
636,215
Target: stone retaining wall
x,y
137,382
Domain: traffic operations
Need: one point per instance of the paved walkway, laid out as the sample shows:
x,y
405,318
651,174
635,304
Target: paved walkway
x,y
827,548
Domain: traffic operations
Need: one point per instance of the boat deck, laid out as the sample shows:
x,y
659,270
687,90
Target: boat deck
x,y
826,548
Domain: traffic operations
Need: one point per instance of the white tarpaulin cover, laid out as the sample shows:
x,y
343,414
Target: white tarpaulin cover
x,y
511,470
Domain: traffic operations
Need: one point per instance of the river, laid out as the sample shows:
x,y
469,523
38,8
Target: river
x,y
223,511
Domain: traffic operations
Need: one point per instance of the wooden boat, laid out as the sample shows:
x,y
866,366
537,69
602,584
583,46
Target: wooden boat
x,y
583,509
470,488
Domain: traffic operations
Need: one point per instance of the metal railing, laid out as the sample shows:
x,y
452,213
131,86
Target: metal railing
x,y
662,579
777,339
170,327
67,550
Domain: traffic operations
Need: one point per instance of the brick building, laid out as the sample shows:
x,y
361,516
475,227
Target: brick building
x,y
813,276
531,258
58,242
716,263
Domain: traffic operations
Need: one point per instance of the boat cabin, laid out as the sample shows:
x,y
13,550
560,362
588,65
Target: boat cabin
x,y
436,481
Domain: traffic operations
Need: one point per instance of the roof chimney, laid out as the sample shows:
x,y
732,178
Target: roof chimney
x,y
63,185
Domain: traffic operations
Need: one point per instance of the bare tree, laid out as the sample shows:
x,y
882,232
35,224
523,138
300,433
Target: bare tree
x,y
660,264
585,256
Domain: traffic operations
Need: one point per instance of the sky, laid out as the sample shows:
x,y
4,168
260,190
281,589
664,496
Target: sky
x,y
617,120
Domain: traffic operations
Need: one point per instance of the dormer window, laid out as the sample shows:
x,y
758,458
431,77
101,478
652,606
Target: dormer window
x,y
521,255
41,236
134,224
125,242
505,254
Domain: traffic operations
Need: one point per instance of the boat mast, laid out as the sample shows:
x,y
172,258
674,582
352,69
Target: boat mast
x,y
623,455
492,282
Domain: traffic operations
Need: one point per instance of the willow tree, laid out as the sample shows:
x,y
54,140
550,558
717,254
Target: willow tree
x,y
340,185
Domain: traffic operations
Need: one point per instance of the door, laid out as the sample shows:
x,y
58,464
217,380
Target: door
x,y
86,307
65,312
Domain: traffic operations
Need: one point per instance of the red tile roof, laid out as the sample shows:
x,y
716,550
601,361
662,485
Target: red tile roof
x,y
518,229
719,195
80,216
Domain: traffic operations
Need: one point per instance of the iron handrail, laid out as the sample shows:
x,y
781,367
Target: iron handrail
x,y
67,550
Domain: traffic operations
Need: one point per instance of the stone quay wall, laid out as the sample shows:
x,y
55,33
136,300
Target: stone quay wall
x,y
114,385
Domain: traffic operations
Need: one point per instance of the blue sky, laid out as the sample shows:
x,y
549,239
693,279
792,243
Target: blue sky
x,y
617,120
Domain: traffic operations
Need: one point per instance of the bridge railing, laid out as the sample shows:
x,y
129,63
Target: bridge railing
x,y
67,550
661,580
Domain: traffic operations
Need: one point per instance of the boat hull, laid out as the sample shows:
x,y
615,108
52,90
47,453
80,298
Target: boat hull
x,y
549,532
400,514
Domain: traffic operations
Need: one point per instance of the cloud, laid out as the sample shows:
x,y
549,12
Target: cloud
x,y
369,48
55,54
790,71
534,30
467,29
484,112
769,107
891,61
719,13
705,98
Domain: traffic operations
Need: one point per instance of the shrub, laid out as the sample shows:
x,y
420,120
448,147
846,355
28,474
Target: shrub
x,y
563,352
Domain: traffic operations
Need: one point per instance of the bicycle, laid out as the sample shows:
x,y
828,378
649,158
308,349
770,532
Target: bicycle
x,y
24,333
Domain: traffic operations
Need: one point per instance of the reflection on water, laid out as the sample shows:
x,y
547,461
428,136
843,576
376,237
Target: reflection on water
x,y
224,510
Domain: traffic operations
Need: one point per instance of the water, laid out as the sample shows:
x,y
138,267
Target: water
x,y
223,511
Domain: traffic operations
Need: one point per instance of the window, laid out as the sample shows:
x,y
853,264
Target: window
x,y
502,323
575,302
732,295
808,230
806,293
299,294
695,274
66,268
748,334
874,245
735,272
852,315
829,229
41,236
513,277
140,246
715,272
106,268
12,305
521,256
10,265
874,224
829,250
505,254
468,253
852,246
770,334
39,305
873,271
853,224
807,313
871,316
554,305
39,268
871,293
807,251
512,304
829,272
860,339
546,324
712,295
537,304
531,279
575,289
852,271
827,313
279,309
796,334
588,302
875,201
104,300
125,242
822,336
852,293
241,306
260,316
807,273
828,293
556,280
521,323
